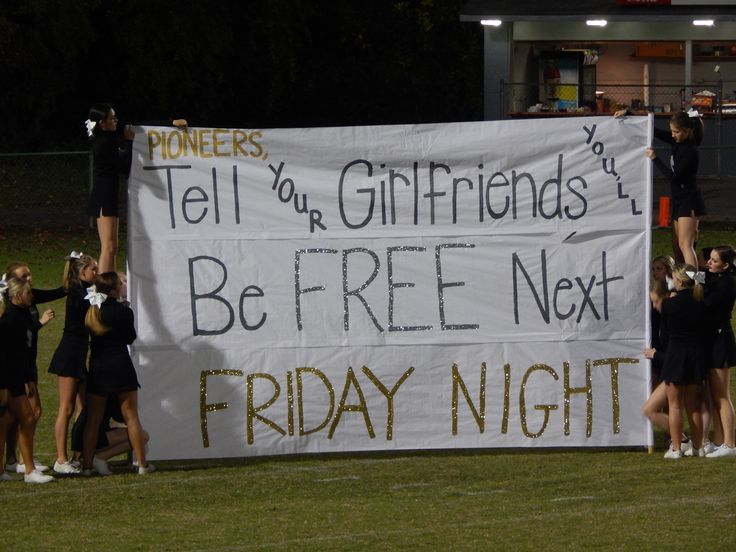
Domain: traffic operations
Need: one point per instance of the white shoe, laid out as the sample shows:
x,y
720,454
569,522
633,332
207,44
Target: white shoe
x,y
694,452
37,477
149,468
65,468
686,445
37,466
673,454
100,466
708,446
722,452
12,468
76,463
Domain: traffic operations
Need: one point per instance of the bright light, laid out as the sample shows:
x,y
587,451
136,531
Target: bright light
x,y
704,22
491,22
596,22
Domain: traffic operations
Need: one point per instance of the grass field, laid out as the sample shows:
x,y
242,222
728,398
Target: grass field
x,y
463,500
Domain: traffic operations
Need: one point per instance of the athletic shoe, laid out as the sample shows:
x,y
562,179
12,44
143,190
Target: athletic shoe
x,y
100,466
708,446
37,477
5,476
76,463
722,452
686,445
87,472
148,468
694,452
673,454
65,468
38,466
12,467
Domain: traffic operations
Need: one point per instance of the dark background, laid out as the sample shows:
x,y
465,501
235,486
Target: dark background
x,y
229,63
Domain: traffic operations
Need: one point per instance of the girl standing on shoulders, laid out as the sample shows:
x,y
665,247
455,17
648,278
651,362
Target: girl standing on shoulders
x,y
69,362
15,332
110,161
720,294
685,135
682,371
111,370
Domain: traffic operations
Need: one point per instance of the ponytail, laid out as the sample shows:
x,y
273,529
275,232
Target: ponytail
x,y
691,279
73,269
106,283
683,120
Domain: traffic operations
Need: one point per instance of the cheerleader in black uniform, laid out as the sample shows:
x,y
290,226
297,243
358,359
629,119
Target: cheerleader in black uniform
x,y
111,370
15,332
69,362
683,373
22,271
110,161
720,294
685,135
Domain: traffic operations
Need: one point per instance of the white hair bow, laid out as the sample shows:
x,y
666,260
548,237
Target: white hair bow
x,y
3,287
693,113
73,255
95,297
90,127
698,277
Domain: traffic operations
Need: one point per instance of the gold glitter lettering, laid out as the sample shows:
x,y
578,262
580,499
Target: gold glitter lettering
x,y
506,397
543,407
587,389
614,362
300,398
290,403
389,396
252,411
480,413
203,406
342,407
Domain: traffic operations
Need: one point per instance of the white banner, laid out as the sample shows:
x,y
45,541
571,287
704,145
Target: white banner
x,y
391,287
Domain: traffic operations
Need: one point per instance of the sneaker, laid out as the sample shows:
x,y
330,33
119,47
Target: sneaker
x,y
722,452
12,467
694,452
673,454
65,468
148,468
5,476
100,466
37,477
708,446
76,463
87,472
38,466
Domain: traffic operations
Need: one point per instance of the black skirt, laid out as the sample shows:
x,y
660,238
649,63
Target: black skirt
x,y
723,349
683,364
70,357
111,373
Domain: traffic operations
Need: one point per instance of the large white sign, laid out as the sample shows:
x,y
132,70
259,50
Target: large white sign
x,y
391,287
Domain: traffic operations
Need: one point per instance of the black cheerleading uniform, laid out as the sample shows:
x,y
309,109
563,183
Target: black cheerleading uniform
x,y
682,335
39,296
720,295
16,336
70,357
687,201
110,368
109,163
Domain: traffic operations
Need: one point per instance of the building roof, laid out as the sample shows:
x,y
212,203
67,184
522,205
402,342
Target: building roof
x,y
541,10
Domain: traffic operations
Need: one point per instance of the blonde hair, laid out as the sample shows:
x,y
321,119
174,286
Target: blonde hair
x,y
659,288
73,268
12,267
106,283
667,261
680,272
16,287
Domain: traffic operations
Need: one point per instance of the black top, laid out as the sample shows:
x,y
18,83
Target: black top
x,y
15,328
684,165
119,319
720,295
109,161
682,319
76,310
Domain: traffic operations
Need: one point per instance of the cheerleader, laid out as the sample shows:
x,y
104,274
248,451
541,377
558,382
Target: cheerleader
x,y
720,295
682,370
22,271
69,362
111,370
15,332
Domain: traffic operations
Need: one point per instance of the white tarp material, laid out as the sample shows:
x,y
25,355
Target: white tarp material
x,y
391,287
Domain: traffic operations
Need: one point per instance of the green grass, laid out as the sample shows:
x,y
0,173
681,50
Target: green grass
x,y
459,500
